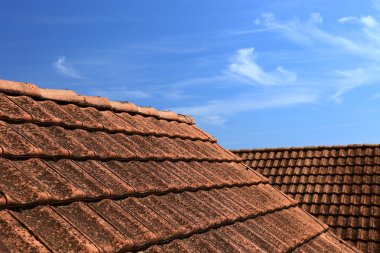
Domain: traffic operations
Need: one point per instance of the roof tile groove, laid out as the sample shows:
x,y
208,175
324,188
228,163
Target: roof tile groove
x,y
338,184
84,174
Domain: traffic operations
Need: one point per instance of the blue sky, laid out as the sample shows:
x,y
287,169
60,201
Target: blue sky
x,y
252,73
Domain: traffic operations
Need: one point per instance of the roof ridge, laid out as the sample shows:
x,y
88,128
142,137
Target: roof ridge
x,y
69,96
364,145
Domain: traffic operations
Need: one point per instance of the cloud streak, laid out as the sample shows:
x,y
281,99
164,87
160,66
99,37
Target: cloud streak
x,y
63,68
244,65
217,111
365,48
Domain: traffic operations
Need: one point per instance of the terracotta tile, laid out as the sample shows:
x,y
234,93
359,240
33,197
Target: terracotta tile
x,y
58,188
135,144
154,249
107,178
111,142
319,244
82,115
202,169
101,150
176,246
180,222
66,138
227,197
114,122
192,171
182,150
14,144
167,128
198,244
222,244
65,118
32,107
9,110
215,151
124,222
149,175
165,145
129,174
244,244
3,200
137,123
214,203
103,118
75,174
155,223
17,187
192,132
46,144
219,169
14,237
188,149
179,203
55,232
174,176
94,227
265,240
213,216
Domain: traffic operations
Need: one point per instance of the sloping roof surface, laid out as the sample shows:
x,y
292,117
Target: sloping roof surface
x,y
86,174
338,184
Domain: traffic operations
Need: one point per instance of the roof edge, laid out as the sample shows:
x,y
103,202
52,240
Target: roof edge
x,y
306,148
69,96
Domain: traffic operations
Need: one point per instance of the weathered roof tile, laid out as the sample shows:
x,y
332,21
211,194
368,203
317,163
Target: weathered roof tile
x,y
83,174
336,183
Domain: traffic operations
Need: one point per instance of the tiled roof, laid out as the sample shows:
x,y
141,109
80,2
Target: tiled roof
x,y
84,174
338,184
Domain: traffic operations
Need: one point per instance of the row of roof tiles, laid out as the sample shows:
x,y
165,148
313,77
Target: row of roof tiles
x,y
106,225
311,172
313,148
68,96
327,179
310,162
35,181
342,210
46,112
362,190
307,152
54,141
337,199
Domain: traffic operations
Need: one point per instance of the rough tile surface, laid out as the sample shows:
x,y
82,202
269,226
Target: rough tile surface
x,y
338,184
83,174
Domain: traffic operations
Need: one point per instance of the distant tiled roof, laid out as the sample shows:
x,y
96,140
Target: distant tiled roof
x,y
338,184
85,174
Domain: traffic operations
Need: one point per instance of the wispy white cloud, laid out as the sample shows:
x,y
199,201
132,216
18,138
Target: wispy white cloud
x,y
61,66
244,65
367,21
352,78
365,49
218,111
309,32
